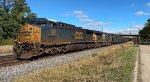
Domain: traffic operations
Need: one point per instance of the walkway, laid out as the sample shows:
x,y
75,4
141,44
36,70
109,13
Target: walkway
x,y
145,62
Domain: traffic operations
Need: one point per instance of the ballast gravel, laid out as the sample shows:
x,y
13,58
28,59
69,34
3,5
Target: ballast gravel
x,y
8,73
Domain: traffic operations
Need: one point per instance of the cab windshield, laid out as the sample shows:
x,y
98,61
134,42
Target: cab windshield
x,y
41,22
31,22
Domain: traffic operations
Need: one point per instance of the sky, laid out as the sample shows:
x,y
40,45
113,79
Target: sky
x,y
112,16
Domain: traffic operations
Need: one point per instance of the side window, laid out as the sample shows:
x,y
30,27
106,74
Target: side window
x,y
62,25
50,24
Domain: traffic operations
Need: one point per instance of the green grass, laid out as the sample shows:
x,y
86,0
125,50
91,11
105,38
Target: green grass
x,y
139,68
114,64
123,73
7,42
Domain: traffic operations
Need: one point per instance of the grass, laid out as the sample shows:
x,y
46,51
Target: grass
x,y
6,42
123,73
6,45
139,68
115,64
6,49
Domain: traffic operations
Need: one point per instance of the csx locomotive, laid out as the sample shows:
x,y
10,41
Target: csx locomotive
x,y
41,35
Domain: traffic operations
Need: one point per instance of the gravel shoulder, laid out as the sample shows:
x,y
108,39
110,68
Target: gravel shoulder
x,y
6,50
7,73
145,62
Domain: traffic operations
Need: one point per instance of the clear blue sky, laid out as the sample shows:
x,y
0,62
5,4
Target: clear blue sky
x,y
113,15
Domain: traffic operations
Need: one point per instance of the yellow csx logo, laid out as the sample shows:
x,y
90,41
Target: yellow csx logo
x,y
78,35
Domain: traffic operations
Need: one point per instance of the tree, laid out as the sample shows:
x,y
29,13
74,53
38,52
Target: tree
x,y
1,33
148,20
21,12
13,14
145,32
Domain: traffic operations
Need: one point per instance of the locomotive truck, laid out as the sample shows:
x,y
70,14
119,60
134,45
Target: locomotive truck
x,y
41,35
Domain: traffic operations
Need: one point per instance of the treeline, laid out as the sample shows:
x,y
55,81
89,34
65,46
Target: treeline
x,y
13,14
145,33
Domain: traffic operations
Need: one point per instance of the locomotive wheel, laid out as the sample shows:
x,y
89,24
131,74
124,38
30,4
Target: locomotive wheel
x,y
64,49
59,49
88,46
17,56
56,50
53,51
99,45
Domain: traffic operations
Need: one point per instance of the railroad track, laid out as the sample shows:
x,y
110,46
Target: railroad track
x,y
10,60
7,60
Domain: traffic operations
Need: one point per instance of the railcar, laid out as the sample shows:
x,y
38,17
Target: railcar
x,y
42,35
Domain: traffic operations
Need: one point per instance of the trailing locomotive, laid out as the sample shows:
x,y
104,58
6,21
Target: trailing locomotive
x,y
41,35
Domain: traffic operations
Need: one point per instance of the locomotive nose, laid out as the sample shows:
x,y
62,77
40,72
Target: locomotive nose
x,y
29,34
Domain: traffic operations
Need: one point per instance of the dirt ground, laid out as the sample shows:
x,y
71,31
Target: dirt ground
x,y
6,49
145,62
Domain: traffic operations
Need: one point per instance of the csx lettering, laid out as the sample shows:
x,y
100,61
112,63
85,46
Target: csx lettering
x,y
78,35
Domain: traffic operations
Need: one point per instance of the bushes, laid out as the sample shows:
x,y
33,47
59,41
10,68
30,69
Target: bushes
x,y
9,41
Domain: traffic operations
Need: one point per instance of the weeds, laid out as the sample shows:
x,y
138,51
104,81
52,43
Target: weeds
x,y
7,42
112,65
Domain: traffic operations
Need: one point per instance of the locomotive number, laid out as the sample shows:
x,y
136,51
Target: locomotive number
x,y
53,32
78,35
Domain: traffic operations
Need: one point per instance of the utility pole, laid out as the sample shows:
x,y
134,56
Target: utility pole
x,y
130,30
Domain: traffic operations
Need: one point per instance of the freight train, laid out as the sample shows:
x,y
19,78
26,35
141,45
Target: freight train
x,y
41,35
